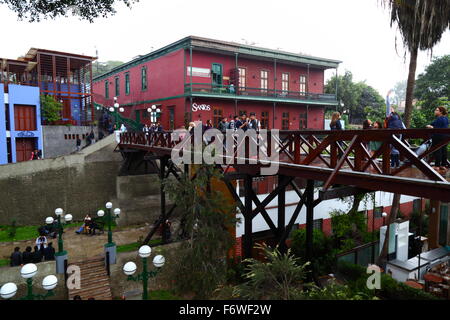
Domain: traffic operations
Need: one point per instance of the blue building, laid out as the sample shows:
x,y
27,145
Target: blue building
x,y
67,77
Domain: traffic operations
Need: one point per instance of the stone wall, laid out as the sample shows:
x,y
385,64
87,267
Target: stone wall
x,y
78,183
55,144
9,274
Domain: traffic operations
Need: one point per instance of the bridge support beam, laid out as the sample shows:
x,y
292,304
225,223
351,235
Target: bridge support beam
x,y
433,233
309,219
282,213
248,215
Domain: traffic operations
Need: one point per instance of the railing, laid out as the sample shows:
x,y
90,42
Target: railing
x,y
229,90
361,255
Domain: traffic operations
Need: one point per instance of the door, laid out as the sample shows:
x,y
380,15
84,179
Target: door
x,y
24,147
138,116
67,109
217,75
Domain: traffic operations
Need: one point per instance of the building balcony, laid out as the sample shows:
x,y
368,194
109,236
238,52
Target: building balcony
x,y
258,94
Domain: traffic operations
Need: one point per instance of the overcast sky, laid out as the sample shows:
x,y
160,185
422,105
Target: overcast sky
x,y
356,32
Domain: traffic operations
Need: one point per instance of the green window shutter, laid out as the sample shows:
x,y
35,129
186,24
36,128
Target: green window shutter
x,y
127,83
144,78
106,89
117,86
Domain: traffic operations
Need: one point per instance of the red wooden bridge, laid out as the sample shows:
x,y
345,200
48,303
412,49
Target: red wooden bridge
x,y
332,157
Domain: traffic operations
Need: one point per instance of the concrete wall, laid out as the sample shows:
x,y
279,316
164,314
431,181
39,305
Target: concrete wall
x,y
55,145
78,183
3,149
9,274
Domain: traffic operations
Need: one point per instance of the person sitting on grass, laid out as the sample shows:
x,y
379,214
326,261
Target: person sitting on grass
x,y
27,256
16,258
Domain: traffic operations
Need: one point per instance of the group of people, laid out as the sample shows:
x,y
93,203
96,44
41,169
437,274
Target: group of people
x,y
394,121
90,226
36,155
153,128
238,122
42,252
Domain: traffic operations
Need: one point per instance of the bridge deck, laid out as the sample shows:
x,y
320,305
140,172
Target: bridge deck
x,y
335,157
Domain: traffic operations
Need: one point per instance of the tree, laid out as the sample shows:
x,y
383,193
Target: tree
x,y
433,86
354,97
279,277
421,24
84,9
400,91
103,67
201,265
50,108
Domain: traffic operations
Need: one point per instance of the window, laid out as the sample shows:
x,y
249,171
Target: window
x,y
145,114
107,89
264,80
144,78
303,121
117,86
127,83
217,115
378,212
285,121
302,85
285,82
242,78
25,118
264,120
318,224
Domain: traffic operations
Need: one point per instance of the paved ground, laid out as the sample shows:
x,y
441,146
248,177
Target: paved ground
x,y
82,246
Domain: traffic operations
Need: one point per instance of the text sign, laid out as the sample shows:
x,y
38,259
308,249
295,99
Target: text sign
x,y
203,107
25,134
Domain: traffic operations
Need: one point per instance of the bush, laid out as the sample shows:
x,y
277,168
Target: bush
x,y
51,109
391,289
324,255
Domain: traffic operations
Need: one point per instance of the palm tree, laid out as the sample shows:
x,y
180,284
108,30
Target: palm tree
x,y
421,24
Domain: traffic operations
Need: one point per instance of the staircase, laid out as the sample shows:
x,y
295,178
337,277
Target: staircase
x,y
94,280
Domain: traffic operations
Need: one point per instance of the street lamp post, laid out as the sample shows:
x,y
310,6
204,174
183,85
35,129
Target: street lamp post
x,y
28,271
61,255
130,268
110,247
155,113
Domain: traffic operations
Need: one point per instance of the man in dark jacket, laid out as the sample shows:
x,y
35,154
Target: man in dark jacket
x,y
37,255
16,258
27,256
49,252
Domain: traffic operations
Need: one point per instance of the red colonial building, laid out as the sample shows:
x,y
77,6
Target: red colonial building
x,y
199,79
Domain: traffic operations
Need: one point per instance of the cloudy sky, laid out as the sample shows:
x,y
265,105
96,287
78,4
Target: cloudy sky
x,y
354,31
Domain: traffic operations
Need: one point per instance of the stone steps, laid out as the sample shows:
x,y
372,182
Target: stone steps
x,y
94,280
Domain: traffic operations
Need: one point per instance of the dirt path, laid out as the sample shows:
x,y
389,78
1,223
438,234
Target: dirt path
x,y
81,246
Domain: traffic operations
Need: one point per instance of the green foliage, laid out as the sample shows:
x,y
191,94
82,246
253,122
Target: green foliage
x,y
349,229
336,292
4,263
21,233
324,255
356,277
201,265
136,245
280,277
51,109
100,68
356,97
85,10
162,295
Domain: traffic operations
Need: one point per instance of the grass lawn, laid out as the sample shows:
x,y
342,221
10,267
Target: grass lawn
x,y
4,263
136,245
25,232
162,295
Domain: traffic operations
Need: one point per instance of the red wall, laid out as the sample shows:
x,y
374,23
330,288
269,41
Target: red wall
x,y
166,77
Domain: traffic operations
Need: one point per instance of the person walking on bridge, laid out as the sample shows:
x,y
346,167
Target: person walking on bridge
x,y
440,155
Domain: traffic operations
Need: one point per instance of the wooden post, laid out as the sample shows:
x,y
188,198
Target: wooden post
x,y
281,213
248,237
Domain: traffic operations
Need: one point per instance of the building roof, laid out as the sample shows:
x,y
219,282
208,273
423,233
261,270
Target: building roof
x,y
31,55
230,48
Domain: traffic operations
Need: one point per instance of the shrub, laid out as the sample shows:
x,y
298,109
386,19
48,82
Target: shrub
x,y
324,255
